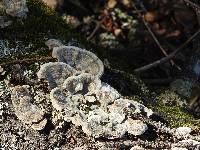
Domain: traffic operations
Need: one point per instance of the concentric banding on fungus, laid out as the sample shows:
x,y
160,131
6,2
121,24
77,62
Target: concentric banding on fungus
x,y
80,59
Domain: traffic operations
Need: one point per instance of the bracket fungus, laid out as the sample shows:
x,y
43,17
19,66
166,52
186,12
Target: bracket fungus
x,y
27,112
80,59
78,96
55,73
51,43
103,115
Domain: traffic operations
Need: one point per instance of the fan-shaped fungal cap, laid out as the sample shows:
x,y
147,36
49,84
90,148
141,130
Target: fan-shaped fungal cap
x,y
86,83
80,59
51,43
27,112
74,89
59,100
107,94
16,8
55,73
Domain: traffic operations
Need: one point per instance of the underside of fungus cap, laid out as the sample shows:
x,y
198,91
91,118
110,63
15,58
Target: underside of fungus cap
x,y
80,59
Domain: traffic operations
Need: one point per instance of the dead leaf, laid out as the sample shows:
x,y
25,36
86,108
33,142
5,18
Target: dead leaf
x,y
117,32
150,16
112,3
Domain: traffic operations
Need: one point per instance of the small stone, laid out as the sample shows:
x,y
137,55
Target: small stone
x,y
136,127
137,148
189,142
90,99
112,3
2,72
183,131
179,148
117,32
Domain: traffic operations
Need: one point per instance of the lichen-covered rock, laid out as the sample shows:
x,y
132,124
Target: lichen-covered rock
x,y
55,73
104,114
136,127
27,112
80,59
178,148
137,148
188,143
183,131
129,107
16,8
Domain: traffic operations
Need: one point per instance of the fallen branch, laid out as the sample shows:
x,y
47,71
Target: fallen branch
x,y
151,32
192,4
167,58
98,25
94,31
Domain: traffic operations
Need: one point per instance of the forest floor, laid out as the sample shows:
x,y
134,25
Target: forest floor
x,y
150,47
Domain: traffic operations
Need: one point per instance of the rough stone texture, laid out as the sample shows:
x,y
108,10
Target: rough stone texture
x,y
104,115
55,73
136,127
27,112
188,143
82,60
16,8
183,131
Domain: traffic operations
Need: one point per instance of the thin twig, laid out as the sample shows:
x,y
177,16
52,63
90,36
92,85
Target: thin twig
x,y
94,31
195,7
192,4
27,60
98,25
167,58
152,34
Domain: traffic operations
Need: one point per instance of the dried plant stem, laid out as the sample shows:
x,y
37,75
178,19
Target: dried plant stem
x,y
192,4
153,35
167,58
98,25
27,60
94,31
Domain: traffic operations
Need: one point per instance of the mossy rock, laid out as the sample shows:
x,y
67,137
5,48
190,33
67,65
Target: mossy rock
x,y
171,106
